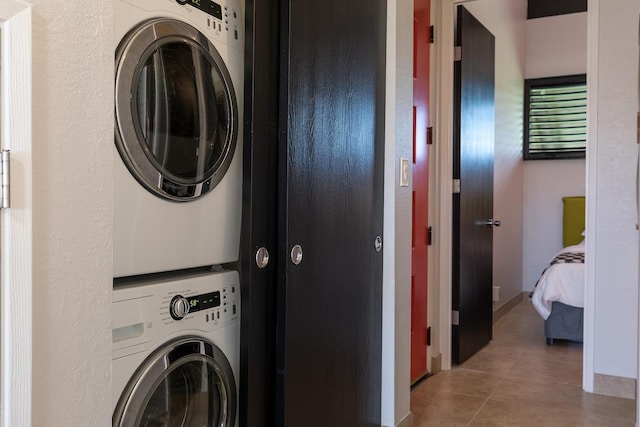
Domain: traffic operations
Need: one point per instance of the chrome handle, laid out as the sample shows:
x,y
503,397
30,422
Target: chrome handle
x,y
377,244
262,257
491,223
296,254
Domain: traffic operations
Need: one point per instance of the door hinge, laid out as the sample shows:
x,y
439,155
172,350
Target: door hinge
x,y
429,335
5,168
429,235
457,53
456,186
455,318
429,135
432,34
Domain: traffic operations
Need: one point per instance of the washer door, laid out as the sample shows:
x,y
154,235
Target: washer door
x,y
188,382
176,110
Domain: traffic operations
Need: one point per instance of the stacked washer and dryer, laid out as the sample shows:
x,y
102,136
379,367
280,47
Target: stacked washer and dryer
x,y
179,69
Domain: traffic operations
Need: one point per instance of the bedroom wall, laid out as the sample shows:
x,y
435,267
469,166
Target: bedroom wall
x,y
506,20
555,46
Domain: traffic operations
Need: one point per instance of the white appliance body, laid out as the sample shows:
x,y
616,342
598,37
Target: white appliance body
x,y
157,383
168,216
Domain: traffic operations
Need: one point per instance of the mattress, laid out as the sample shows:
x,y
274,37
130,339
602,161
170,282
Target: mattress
x,y
563,281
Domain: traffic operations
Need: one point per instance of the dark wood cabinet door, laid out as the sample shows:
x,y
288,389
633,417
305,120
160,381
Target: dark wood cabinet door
x,y
259,215
473,205
331,201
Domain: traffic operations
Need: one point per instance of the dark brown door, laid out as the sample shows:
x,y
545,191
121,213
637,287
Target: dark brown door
x,y
473,205
259,216
331,200
420,199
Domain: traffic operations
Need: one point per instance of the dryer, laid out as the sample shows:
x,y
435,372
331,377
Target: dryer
x,y
178,134
175,354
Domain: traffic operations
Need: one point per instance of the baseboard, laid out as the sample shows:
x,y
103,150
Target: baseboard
x,y
507,306
436,364
614,386
407,421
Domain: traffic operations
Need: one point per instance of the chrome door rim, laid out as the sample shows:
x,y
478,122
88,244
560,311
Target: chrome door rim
x,y
134,398
131,52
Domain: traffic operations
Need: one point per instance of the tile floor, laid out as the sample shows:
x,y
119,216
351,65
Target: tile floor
x,y
517,380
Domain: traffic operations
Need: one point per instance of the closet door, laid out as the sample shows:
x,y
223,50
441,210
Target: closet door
x,y
331,201
259,215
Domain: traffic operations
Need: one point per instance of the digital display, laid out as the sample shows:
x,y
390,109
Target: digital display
x,y
204,301
208,6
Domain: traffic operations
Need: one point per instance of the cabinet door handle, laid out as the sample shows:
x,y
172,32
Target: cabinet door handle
x,y
262,257
296,254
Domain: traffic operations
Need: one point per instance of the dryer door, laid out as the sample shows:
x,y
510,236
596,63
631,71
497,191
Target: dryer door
x,y
188,382
176,110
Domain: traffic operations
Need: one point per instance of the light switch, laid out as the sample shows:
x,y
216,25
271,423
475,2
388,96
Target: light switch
x,y
404,172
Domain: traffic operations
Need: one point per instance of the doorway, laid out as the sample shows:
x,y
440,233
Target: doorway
x,y
510,173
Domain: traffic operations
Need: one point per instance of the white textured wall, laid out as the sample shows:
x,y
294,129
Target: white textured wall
x,y
397,219
403,52
388,256
506,20
72,218
612,244
556,46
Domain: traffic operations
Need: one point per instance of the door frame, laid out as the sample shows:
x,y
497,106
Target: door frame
x,y
16,262
444,12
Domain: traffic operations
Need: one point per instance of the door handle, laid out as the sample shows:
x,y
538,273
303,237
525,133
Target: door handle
x,y
491,223
296,254
262,257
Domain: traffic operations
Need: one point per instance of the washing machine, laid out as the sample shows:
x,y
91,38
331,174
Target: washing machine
x,y
175,354
179,69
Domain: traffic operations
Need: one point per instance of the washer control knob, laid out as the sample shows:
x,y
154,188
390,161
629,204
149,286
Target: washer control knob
x,y
179,307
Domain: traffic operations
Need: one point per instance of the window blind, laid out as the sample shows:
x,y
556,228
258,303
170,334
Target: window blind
x,y
555,117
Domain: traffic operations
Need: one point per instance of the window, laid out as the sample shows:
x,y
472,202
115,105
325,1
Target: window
x,y
555,117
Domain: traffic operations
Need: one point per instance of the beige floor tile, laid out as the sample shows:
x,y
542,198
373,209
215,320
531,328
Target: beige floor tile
x,y
517,380
497,413
460,381
609,407
454,408
547,370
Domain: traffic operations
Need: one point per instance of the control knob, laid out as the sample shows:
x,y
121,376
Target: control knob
x,y
179,307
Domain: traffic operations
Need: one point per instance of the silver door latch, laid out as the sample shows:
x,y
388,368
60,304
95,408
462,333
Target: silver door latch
x,y
5,163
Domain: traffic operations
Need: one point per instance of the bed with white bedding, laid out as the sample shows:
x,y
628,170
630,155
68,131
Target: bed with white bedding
x,y
559,295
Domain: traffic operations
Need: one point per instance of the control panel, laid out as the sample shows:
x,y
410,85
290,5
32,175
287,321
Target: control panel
x,y
144,312
222,18
212,304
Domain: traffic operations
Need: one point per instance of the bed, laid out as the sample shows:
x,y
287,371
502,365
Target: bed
x,y
559,293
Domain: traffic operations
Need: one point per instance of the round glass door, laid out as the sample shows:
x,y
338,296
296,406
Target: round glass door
x,y
187,383
176,111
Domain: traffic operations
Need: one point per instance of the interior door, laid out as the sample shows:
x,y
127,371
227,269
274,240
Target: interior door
x,y
420,196
473,197
331,204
